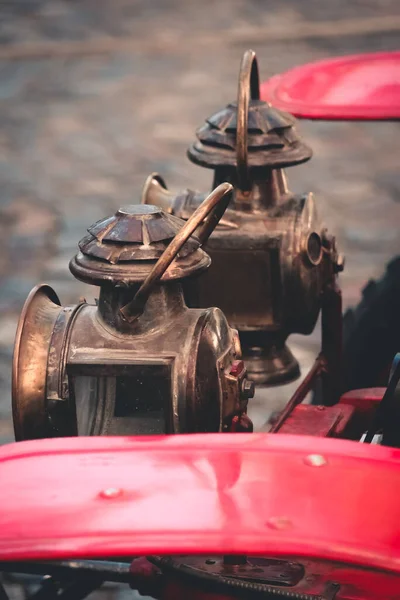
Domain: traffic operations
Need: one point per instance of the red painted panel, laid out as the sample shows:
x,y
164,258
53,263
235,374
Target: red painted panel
x,y
357,87
321,421
218,493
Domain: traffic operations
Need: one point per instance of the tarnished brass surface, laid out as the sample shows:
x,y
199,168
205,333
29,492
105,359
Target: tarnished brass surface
x,y
29,374
139,361
271,257
204,220
248,85
138,235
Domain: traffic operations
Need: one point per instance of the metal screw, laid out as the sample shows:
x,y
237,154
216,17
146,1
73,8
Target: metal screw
x,y
240,424
279,523
326,238
248,388
315,460
111,493
340,262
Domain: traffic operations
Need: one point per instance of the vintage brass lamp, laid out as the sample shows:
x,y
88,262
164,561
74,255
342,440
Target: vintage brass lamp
x,y
271,257
139,361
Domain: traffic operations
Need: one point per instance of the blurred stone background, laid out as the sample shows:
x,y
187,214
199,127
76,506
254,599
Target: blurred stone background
x,y
95,95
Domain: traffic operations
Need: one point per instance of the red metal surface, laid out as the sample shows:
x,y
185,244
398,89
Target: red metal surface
x,y
211,493
365,402
357,87
321,421
301,392
366,399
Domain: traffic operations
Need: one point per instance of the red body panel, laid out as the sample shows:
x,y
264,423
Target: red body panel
x,y
211,493
321,421
365,403
358,87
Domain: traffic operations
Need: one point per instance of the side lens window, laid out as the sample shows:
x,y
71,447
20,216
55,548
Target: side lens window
x,y
90,404
142,402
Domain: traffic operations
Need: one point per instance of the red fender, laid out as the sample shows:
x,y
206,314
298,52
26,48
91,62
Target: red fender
x,y
284,495
361,87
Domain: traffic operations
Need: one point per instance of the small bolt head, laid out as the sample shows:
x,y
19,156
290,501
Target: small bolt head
x,y
236,368
340,262
328,240
279,523
315,460
248,388
111,493
241,424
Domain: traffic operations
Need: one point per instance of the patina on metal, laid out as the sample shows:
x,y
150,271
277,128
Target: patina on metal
x,y
140,361
271,257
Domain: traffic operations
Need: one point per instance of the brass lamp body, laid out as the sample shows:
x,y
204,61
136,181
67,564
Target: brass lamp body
x,y
140,361
271,257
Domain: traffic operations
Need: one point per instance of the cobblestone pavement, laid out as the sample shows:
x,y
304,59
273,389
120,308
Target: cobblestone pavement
x,y
95,95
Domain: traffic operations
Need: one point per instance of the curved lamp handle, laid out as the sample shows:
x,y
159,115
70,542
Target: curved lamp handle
x,y
249,87
205,218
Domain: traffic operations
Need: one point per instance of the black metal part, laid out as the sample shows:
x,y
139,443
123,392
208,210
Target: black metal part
x,y
243,587
255,569
69,580
387,417
103,569
79,589
3,593
332,326
372,332
331,590
238,575
48,590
